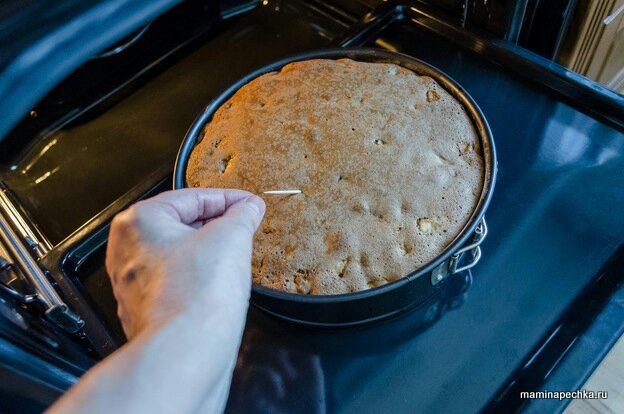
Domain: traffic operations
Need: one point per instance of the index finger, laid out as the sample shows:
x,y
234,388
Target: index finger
x,y
189,205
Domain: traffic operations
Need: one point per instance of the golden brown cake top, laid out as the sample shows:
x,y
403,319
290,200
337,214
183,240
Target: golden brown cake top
x,y
388,163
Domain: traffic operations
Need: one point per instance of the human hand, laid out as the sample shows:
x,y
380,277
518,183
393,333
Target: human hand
x,y
180,266
181,250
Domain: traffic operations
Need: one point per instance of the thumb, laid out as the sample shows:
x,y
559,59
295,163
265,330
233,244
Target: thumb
x,y
247,212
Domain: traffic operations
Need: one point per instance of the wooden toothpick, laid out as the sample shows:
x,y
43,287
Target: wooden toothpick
x,y
282,192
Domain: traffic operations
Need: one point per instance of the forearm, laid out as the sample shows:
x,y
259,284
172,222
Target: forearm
x,y
182,367
180,267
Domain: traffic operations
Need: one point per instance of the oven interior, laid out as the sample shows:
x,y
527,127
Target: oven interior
x,y
108,136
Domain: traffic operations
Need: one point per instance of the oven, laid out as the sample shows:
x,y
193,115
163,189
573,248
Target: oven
x,y
97,98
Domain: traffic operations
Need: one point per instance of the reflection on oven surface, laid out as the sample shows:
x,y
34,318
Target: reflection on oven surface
x,y
276,371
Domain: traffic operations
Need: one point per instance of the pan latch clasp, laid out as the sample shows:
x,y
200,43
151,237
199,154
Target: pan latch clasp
x,y
473,250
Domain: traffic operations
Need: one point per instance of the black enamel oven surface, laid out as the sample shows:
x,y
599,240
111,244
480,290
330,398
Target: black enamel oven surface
x,y
554,220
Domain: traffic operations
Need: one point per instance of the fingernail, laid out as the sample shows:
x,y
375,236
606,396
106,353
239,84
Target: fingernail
x,y
256,203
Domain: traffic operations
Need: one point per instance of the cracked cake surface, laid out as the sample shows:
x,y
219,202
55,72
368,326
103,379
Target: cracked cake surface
x,y
388,163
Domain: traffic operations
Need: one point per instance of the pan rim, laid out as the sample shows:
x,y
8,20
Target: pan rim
x,y
364,54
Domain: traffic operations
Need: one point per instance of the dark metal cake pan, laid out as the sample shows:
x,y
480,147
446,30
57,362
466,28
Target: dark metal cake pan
x,y
359,308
